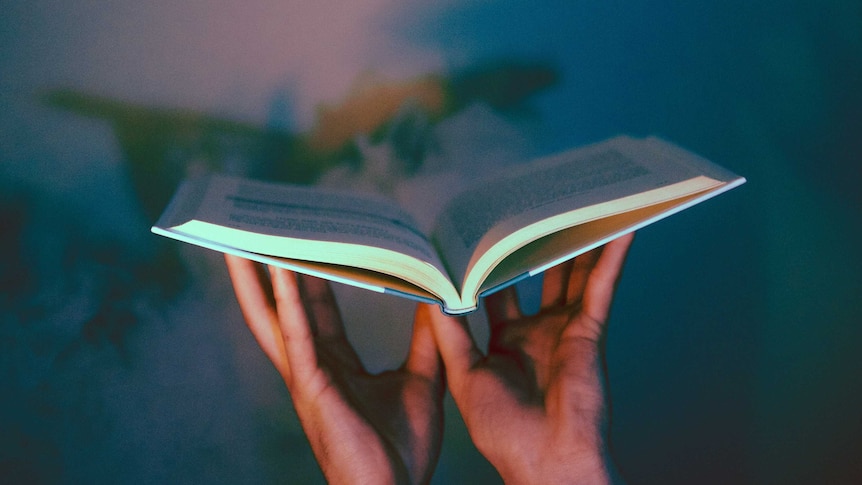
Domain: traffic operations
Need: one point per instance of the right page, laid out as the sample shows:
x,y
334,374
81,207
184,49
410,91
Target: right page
x,y
483,226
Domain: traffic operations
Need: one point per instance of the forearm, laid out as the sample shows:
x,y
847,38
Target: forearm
x,y
574,471
344,463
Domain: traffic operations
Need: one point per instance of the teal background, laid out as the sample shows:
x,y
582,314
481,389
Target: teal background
x,y
733,347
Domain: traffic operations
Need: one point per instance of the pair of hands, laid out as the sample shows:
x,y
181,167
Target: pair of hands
x,y
534,405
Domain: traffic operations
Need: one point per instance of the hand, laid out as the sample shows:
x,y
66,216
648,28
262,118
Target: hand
x,y
363,428
535,405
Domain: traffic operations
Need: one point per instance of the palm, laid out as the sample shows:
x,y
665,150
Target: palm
x,y
367,417
536,398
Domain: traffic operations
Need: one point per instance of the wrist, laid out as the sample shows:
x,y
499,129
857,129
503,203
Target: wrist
x,y
592,469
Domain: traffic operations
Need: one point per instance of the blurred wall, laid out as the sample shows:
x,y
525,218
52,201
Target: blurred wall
x,y
732,352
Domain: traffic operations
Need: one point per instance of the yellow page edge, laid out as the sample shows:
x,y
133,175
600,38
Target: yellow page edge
x,y
710,193
309,269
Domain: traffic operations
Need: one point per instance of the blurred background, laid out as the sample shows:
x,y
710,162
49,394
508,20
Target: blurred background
x,y
733,347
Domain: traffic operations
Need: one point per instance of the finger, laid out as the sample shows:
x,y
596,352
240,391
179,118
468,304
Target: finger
x,y
326,325
319,301
250,284
603,279
502,307
457,348
580,272
423,359
555,281
294,324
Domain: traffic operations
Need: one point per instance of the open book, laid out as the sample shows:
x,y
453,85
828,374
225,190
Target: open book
x,y
506,228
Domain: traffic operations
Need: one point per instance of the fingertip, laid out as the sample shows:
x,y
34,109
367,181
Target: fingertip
x,y
321,306
424,357
555,280
250,286
614,254
603,280
237,267
623,242
454,342
502,306
288,296
254,295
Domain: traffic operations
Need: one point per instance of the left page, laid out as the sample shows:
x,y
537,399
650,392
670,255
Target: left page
x,y
307,224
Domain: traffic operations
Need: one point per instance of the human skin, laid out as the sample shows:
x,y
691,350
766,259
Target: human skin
x,y
363,428
535,404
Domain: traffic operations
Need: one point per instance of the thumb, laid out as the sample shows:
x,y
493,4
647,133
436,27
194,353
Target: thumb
x,y
423,358
457,348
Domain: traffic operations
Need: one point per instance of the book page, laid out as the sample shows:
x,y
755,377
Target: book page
x,y
299,213
618,169
565,244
